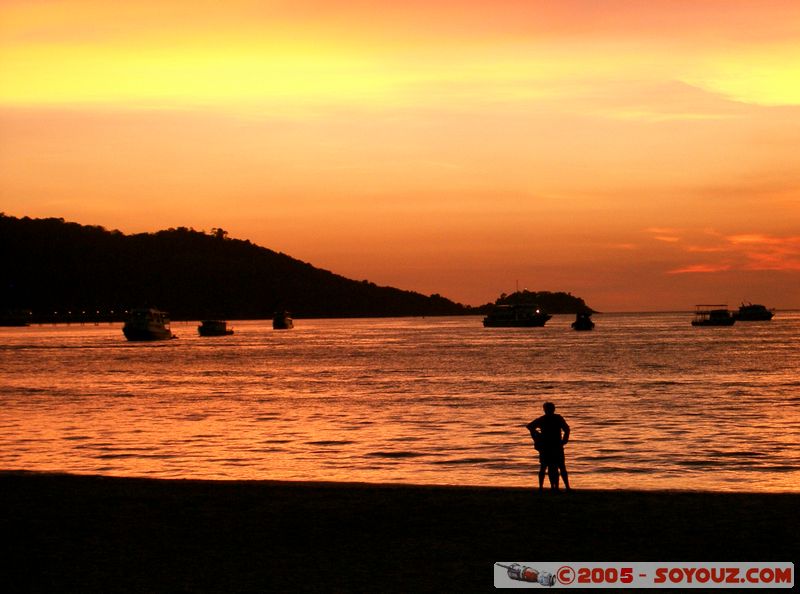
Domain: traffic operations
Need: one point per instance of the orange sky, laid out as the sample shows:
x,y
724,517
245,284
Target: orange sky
x,y
642,155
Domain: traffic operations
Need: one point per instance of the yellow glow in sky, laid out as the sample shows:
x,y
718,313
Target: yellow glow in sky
x,y
767,75
452,148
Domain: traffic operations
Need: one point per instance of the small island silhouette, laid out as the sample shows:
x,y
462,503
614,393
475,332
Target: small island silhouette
x,y
552,303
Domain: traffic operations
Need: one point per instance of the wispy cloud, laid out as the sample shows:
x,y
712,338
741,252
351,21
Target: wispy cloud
x,y
769,253
700,249
663,230
758,239
740,251
700,268
665,234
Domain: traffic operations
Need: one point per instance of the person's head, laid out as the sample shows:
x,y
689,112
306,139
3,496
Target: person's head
x,y
549,408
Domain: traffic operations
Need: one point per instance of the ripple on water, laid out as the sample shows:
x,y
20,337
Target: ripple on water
x,y
397,454
457,461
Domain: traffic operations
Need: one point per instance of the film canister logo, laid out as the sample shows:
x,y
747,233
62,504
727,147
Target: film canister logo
x,y
523,573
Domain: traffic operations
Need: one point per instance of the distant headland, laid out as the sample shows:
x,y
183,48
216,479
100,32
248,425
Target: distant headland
x,y
63,271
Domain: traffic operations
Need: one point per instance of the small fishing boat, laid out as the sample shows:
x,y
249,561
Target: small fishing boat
x,y
147,324
214,328
713,315
515,316
583,321
282,321
753,312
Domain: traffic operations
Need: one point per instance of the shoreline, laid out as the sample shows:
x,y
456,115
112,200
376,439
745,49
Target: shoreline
x,y
93,533
21,473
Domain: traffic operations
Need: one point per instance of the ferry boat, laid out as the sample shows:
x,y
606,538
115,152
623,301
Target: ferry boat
x,y
282,321
753,312
515,316
713,315
147,324
583,321
214,328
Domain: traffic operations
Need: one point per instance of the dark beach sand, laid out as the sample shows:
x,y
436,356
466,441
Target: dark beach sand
x,y
94,534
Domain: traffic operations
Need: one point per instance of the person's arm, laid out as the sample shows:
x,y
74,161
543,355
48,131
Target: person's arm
x,y
565,428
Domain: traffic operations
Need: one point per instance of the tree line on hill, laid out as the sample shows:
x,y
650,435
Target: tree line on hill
x,y
66,271
553,303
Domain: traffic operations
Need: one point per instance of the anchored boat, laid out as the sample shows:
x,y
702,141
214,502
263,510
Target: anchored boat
x,y
147,324
713,315
515,316
583,321
214,328
282,321
753,312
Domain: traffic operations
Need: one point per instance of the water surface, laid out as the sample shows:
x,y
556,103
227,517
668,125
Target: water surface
x,y
652,401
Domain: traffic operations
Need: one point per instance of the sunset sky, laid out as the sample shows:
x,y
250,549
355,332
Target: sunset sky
x,y
642,155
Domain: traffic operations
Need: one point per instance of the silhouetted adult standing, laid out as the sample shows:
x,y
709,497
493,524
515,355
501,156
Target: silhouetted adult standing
x,y
551,434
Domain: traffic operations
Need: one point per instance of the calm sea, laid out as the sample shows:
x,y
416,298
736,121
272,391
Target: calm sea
x,y
652,402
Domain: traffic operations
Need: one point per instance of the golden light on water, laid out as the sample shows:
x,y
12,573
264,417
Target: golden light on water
x,y
653,403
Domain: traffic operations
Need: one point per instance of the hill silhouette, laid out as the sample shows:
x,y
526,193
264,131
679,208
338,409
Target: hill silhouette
x,y
54,266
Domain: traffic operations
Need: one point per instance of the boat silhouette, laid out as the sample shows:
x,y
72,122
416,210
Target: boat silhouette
x,y
282,321
583,321
146,324
713,315
753,312
214,328
515,316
